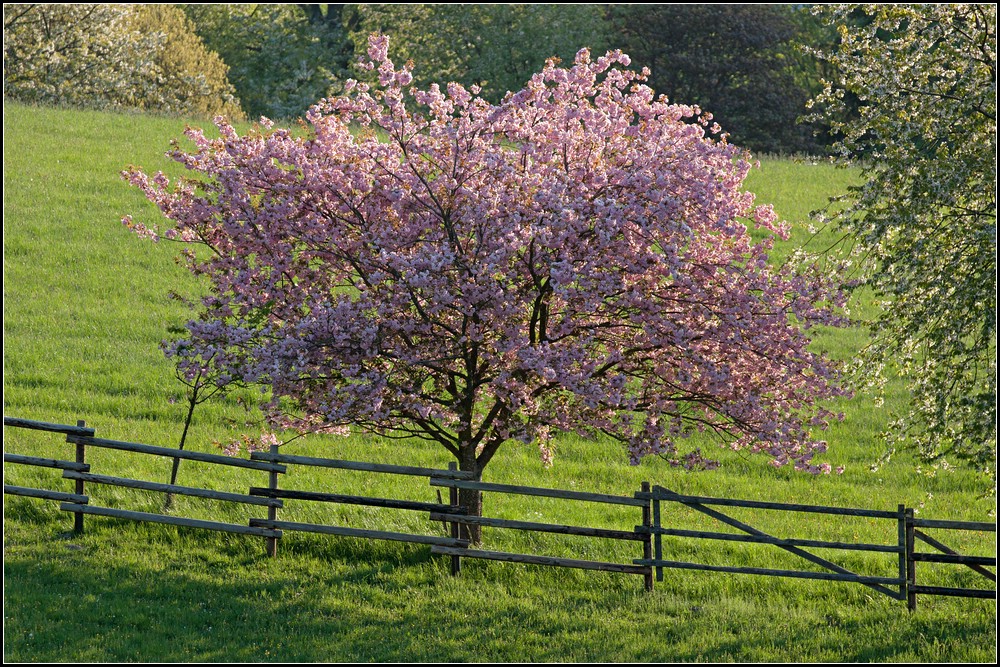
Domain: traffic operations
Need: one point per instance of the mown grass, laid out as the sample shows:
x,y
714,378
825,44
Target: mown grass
x,y
85,306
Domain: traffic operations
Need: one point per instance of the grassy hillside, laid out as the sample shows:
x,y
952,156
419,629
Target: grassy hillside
x,y
85,306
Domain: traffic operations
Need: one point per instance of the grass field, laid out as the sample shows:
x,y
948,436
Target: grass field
x,y
85,306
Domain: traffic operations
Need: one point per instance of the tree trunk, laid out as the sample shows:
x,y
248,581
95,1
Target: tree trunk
x,y
471,499
168,502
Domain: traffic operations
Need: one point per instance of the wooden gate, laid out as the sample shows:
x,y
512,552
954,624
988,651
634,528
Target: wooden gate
x,y
900,587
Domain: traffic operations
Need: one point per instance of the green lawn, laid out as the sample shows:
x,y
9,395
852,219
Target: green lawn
x,y
85,306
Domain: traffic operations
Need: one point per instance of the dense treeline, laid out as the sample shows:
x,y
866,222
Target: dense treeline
x,y
742,63
738,62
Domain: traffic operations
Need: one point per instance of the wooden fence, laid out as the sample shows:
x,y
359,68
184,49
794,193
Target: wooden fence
x,y
903,586
79,471
534,559
647,502
944,555
272,491
78,465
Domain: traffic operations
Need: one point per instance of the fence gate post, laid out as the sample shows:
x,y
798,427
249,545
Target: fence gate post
x,y
80,458
901,541
456,561
911,565
647,544
659,537
272,511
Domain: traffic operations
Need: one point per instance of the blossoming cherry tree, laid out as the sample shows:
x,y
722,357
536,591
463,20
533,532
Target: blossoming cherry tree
x,y
574,259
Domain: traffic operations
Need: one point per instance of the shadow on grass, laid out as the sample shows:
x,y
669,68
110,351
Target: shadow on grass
x,y
188,596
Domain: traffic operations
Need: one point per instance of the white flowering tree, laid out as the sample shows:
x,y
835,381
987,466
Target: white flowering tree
x,y
112,55
923,78
72,52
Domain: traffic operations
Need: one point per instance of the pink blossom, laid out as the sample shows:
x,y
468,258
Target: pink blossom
x,y
378,48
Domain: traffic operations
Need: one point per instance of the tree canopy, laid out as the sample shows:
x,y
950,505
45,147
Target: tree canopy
x,y
494,46
280,59
923,79
739,62
428,264
125,56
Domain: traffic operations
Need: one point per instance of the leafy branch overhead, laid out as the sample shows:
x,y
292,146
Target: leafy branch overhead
x,y
923,80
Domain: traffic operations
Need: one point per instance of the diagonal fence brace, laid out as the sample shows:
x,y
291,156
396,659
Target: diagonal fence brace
x,y
817,560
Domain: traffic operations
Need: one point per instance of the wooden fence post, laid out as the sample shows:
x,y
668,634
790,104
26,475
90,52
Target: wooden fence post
x,y
901,541
911,565
80,458
272,511
647,544
456,561
659,538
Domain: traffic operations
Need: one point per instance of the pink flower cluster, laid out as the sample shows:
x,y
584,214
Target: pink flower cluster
x,y
249,444
575,258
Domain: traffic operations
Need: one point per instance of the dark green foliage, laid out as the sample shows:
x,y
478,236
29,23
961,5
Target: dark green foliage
x,y
497,47
738,62
282,58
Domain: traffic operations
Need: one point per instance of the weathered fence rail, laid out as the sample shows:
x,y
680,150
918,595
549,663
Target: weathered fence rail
x,y
272,491
649,532
45,494
946,555
535,559
79,504
80,429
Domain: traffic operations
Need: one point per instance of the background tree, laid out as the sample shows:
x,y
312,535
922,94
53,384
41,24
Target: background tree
x,y
138,56
73,54
190,77
430,265
737,62
924,222
495,46
281,58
